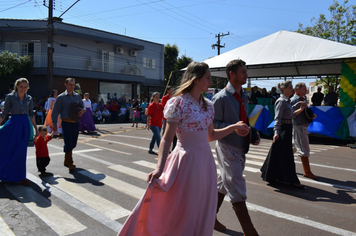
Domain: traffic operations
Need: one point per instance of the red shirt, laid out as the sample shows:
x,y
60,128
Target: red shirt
x,y
114,106
41,146
156,112
164,100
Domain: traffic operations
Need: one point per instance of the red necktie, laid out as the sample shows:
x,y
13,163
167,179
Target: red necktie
x,y
243,116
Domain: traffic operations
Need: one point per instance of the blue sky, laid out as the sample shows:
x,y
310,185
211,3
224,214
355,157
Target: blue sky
x,y
190,24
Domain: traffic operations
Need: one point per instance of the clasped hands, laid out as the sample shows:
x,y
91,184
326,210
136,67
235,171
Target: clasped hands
x,y
242,129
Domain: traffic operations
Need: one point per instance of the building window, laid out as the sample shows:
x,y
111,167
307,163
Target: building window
x,y
149,63
24,49
105,57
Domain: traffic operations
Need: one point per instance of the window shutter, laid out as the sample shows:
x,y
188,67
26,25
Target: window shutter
x,y
16,48
8,47
153,63
111,61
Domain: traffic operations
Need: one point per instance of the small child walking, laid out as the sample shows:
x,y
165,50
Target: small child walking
x,y
135,117
42,156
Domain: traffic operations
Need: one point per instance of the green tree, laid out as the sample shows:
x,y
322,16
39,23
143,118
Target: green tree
x,y
182,62
13,66
340,27
170,60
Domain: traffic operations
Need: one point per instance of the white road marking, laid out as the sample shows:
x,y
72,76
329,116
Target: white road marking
x,y
74,152
329,167
327,184
4,229
75,203
146,164
130,171
96,202
128,136
116,184
299,220
109,149
61,222
125,144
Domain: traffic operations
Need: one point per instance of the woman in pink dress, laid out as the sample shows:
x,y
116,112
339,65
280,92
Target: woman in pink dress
x,y
182,192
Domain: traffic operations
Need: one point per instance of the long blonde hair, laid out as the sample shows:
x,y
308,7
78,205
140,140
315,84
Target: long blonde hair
x,y
19,81
195,70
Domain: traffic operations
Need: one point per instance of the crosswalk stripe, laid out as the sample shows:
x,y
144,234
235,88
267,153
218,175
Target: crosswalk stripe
x,y
128,136
74,152
75,203
4,229
96,202
146,164
61,222
130,171
116,184
256,163
256,156
109,149
298,219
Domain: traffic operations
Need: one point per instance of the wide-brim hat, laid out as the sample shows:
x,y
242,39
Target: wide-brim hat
x,y
309,113
73,111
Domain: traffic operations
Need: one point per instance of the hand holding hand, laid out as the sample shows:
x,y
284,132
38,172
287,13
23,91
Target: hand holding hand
x,y
242,129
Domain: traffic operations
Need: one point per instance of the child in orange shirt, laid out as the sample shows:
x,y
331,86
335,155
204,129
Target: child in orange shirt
x,y
42,156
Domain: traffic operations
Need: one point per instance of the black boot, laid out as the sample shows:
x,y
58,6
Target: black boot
x,y
218,226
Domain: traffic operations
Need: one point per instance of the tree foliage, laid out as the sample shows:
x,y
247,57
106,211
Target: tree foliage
x,y
173,63
340,27
13,66
170,60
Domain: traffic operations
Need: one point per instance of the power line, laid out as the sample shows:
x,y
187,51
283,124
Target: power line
x,y
15,6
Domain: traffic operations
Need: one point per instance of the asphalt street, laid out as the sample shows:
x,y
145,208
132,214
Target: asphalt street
x,y
112,167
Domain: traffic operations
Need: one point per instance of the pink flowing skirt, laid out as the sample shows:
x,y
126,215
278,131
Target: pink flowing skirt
x,y
183,200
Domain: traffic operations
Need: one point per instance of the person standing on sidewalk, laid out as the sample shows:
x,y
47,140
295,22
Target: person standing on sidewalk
x,y
300,126
231,106
70,107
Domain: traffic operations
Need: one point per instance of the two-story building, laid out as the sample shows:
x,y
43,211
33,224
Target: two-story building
x,y
101,62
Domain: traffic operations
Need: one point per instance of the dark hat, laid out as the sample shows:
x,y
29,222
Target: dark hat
x,y
73,111
309,114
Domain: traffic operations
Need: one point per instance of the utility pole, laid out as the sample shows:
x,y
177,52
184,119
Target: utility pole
x,y
50,28
219,36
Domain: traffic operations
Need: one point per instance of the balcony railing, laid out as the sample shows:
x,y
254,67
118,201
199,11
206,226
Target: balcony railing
x,y
88,64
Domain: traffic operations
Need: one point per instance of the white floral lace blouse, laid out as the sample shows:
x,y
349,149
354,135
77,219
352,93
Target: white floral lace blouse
x,y
189,113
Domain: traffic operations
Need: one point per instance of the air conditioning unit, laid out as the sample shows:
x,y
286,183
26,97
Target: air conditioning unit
x,y
133,53
119,50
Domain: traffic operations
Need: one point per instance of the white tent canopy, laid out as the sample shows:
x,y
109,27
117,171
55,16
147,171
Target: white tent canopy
x,y
287,54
